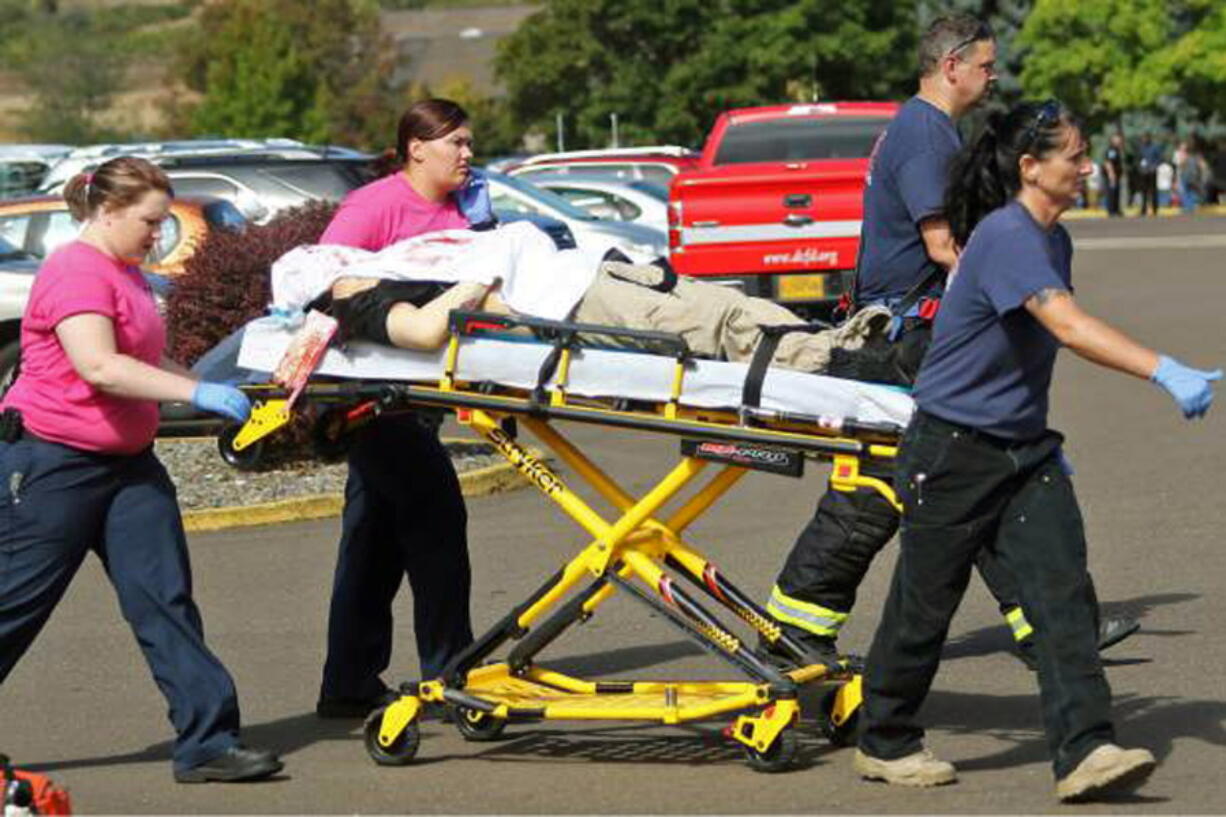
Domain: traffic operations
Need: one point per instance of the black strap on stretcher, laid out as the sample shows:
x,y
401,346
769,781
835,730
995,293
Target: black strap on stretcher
x,y
561,335
751,394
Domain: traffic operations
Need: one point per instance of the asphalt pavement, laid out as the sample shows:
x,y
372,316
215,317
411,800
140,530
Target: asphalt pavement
x,y
82,707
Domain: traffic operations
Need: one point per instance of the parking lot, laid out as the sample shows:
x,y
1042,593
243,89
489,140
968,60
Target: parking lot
x,y
81,705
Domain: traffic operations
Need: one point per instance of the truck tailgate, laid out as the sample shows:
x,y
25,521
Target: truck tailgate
x,y
769,218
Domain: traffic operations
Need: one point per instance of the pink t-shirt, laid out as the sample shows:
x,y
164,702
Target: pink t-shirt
x,y
55,402
386,211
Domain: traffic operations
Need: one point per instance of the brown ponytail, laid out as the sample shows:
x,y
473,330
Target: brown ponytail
x,y
115,184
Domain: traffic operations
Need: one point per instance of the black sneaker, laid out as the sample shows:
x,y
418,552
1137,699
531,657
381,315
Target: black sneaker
x,y
234,765
353,708
1111,631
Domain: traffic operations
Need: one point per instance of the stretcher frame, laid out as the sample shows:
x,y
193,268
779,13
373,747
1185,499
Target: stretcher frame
x,y
632,552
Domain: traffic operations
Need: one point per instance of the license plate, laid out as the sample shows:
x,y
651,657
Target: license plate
x,y
803,287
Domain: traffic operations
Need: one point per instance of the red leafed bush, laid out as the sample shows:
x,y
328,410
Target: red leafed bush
x,y
226,281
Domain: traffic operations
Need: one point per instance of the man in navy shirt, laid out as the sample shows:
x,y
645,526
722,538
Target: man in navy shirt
x,y
1150,158
906,246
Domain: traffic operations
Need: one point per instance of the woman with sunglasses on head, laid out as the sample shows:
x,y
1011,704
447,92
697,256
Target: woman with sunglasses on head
x,y
78,472
979,468
404,514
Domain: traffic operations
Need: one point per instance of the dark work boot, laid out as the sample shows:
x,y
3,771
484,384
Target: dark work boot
x,y
353,708
234,765
818,650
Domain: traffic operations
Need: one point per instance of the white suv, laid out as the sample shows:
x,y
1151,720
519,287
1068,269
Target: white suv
x,y
17,270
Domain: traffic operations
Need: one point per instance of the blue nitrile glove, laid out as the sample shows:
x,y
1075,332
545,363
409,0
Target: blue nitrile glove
x,y
1187,386
222,399
473,198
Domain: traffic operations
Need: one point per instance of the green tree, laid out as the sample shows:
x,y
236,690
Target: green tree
x,y
318,71
1108,57
668,67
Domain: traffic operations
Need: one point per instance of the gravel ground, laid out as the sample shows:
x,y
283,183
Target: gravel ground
x,y
204,480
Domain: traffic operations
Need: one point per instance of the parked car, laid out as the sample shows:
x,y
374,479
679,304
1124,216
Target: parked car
x,y
653,164
637,202
23,167
259,182
90,156
39,224
17,269
31,228
776,202
511,196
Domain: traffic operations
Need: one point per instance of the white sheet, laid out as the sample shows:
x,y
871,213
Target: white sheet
x,y
536,277
594,373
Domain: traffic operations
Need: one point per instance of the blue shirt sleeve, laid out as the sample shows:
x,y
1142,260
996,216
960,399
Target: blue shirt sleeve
x,y
921,184
1021,266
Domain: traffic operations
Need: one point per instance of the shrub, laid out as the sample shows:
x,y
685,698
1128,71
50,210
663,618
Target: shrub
x,y
225,283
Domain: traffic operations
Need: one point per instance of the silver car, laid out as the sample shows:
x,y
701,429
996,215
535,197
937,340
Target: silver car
x,y
638,202
639,242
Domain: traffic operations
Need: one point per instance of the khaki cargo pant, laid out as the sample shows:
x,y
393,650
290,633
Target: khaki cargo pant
x,y
715,321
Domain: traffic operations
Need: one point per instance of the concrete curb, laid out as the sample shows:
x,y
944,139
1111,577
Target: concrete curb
x,y
1098,212
491,479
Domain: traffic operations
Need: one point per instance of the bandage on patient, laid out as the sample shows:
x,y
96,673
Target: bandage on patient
x,y
304,353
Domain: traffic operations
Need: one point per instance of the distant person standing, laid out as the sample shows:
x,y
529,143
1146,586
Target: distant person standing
x,y
1113,173
1150,159
1191,172
1165,181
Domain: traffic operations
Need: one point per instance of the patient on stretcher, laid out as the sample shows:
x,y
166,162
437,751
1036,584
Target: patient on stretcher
x,y
402,295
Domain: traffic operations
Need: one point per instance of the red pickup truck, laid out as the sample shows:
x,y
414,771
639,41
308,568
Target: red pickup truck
x,y
776,200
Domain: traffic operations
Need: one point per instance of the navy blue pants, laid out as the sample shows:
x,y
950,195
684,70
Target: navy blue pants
x,y
56,505
404,515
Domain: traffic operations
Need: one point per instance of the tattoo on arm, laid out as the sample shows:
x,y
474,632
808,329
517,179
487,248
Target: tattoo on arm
x,y
1046,296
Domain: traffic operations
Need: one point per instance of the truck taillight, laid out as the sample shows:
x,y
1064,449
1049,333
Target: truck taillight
x,y
674,225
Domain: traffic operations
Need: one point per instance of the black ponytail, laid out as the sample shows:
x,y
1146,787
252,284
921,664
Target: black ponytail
x,y
985,174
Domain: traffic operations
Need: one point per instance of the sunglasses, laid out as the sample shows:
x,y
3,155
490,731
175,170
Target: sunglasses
x,y
984,32
1047,114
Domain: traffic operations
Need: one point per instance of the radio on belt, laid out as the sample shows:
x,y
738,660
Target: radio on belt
x,y
758,457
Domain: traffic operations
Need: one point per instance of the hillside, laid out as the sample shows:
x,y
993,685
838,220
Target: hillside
x,y
441,42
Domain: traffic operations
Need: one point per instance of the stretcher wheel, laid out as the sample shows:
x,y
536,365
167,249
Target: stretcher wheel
x,y
476,725
840,735
328,437
778,757
403,748
248,459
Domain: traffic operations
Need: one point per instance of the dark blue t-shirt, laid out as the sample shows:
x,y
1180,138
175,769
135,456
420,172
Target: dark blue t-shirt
x,y
990,362
906,180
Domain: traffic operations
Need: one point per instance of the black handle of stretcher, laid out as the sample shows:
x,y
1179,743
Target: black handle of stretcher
x,y
465,323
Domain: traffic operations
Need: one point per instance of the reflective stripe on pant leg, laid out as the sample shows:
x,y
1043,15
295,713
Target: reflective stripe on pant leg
x,y
1018,624
820,621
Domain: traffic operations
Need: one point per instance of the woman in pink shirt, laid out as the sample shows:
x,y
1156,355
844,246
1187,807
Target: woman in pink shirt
x,y
78,473
404,515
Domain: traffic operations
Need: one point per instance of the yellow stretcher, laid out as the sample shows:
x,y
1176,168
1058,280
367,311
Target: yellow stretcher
x,y
638,552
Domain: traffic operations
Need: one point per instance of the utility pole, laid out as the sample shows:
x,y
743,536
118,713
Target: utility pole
x,y
561,135
613,125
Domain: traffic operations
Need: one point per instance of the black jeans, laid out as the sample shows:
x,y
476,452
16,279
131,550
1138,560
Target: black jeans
x,y
1149,193
962,492
404,516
